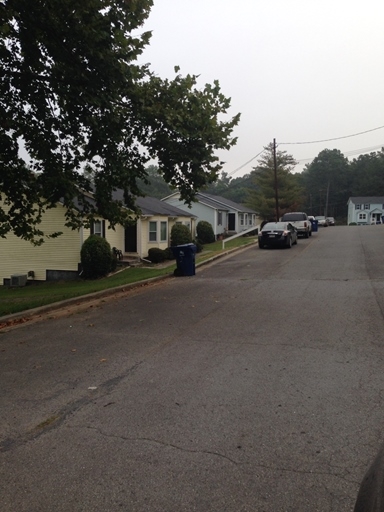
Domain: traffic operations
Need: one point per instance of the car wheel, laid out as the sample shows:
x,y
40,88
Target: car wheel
x,y
295,242
306,234
310,233
289,242
261,246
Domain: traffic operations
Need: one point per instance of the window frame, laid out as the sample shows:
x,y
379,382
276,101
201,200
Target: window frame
x,y
163,231
152,232
98,232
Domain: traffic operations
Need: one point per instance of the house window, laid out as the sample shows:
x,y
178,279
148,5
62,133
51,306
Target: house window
x,y
357,206
362,216
366,207
250,220
153,231
219,218
163,231
98,228
241,217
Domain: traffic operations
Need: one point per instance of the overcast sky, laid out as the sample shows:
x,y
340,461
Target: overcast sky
x,y
297,70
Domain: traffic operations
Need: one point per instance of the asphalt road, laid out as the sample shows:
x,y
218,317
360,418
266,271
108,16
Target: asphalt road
x,y
256,385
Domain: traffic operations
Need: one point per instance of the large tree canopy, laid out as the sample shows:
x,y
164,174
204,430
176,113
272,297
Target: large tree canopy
x,y
327,183
73,98
263,197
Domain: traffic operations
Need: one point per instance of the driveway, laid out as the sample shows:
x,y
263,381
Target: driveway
x,y
255,385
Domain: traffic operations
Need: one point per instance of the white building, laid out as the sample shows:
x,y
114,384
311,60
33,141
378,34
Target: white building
x,y
224,215
366,210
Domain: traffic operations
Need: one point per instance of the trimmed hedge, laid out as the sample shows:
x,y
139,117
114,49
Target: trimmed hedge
x,y
180,235
205,232
97,259
156,255
199,245
168,253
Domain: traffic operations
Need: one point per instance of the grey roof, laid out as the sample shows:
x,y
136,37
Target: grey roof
x,y
222,203
367,199
153,206
148,205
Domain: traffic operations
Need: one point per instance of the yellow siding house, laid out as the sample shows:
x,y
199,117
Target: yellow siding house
x,y
59,258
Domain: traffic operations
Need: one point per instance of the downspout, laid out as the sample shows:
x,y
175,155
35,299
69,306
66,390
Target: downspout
x,y
139,235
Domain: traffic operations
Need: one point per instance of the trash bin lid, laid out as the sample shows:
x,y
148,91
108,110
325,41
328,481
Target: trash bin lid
x,y
191,247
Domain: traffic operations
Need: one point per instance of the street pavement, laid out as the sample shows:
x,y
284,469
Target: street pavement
x,y
256,385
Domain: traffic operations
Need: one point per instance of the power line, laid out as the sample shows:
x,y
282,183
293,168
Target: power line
x,y
246,163
336,138
352,152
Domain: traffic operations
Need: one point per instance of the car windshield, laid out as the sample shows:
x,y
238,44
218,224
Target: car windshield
x,y
320,217
293,216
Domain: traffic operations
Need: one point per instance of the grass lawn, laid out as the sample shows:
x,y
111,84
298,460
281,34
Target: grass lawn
x,y
15,300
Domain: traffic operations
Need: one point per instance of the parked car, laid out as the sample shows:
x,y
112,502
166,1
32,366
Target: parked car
x,y
322,221
331,221
300,221
274,234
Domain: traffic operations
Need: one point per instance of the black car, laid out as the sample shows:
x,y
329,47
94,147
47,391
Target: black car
x,y
275,234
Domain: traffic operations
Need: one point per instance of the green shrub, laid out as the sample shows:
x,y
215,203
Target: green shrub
x,y
199,245
168,253
96,257
156,255
180,235
352,224
113,262
205,232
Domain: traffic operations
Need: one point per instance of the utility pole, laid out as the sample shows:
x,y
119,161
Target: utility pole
x,y
326,201
276,185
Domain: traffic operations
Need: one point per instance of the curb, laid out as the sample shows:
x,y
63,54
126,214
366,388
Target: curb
x,y
23,317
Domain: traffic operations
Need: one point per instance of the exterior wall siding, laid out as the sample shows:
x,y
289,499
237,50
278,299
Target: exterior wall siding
x,y
115,237
201,211
18,256
146,244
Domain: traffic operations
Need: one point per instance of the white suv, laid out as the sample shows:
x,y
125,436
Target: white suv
x,y
300,221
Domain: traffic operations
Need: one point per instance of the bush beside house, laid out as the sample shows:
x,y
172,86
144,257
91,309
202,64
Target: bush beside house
x,y
180,235
97,259
205,233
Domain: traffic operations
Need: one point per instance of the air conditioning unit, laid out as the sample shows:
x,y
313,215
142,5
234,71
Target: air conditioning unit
x,y
19,280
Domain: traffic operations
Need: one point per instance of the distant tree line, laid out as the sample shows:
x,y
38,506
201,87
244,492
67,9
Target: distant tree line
x,y
322,188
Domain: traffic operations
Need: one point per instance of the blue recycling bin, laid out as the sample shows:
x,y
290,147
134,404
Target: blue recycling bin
x,y
315,225
185,259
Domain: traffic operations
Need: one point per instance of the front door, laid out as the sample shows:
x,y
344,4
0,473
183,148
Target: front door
x,y
131,238
231,221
